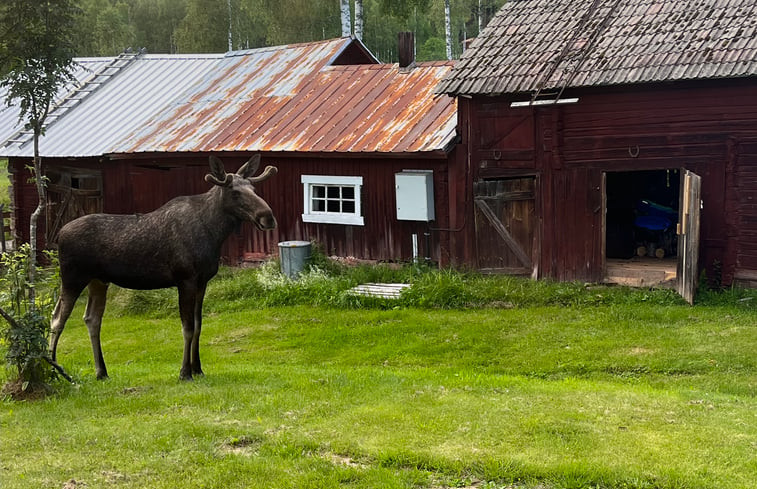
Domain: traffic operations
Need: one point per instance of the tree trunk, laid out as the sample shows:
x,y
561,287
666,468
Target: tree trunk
x,y
231,44
447,29
41,203
359,19
346,21
479,17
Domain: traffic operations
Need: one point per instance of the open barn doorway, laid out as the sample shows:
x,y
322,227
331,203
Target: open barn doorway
x,y
641,215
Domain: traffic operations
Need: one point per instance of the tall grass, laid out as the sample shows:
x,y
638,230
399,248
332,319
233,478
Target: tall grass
x,y
329,284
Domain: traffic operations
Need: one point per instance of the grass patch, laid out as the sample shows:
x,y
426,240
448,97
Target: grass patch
x,y
4,184
466,381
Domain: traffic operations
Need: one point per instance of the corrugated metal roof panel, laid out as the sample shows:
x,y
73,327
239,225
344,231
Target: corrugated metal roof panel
x,y
106,117
285,98
637,41
359,108
85,69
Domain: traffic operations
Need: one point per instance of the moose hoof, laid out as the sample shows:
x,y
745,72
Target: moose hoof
x,y
102,376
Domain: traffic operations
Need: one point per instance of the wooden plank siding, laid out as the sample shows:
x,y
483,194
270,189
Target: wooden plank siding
x,y
140,185
744,198
703,127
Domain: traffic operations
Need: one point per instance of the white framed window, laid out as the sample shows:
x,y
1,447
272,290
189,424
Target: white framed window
x,y
332,199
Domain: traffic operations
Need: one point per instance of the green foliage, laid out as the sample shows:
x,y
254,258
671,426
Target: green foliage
x,y
205,27
4,184
36,54
104,27
434,48
155,22
168,26
27,339
26,336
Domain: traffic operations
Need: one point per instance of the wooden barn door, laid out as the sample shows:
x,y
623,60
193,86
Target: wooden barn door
x,y
688,235
71,194
506,225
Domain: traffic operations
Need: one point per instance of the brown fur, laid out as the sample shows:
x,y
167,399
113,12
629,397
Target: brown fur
x,y
177,245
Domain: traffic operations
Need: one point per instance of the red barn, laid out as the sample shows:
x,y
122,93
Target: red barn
x,y
597,132
138,130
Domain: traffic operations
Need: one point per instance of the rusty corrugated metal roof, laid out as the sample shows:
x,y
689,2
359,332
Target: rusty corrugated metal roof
x,y
298,108
296,98
534,45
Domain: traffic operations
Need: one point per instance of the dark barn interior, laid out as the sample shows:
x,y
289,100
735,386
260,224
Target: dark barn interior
x,y
642,213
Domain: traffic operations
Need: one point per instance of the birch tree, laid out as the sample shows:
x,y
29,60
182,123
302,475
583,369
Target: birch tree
x,y
359,19
447,29
346,18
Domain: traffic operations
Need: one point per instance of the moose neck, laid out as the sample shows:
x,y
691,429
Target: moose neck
x,y
218,223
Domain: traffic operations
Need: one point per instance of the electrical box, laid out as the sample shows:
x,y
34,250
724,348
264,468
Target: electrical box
x,y
415,195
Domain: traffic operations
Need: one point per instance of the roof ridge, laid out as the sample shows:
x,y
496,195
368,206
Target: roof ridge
x,y
283,47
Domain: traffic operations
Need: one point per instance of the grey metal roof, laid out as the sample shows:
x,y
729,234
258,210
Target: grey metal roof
x,y
127,100
533,45
84,69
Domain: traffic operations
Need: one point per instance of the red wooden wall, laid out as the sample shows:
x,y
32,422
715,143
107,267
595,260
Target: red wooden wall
x,y
143,184
704,127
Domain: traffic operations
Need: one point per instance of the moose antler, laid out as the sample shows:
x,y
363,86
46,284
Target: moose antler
x,y
267,173
210,178
218,175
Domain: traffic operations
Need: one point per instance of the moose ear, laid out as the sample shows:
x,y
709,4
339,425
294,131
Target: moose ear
x,y
249,168
217,175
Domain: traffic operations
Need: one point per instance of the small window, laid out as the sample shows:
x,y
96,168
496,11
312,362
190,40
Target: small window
x,y
332,199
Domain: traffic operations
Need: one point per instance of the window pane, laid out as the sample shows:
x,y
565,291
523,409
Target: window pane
x,y
333,206
319,191
348,206
348,193
333,192
318,205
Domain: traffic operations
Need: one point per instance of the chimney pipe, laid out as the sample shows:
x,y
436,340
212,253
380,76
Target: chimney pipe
x,y
406,50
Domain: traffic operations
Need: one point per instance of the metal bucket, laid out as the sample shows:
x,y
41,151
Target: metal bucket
x,y
294,255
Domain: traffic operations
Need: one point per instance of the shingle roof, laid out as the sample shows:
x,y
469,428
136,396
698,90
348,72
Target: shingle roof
x,y
533,45
285,98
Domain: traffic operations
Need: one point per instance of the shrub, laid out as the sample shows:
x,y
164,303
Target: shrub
x,y
26,329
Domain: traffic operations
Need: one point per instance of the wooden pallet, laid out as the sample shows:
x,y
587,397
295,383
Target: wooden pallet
x,y
386,291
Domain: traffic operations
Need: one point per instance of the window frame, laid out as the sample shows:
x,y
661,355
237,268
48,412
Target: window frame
x,y
326,217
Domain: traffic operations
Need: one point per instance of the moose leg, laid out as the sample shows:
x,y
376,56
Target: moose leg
x,y
187,299
93,318
62,311
195,355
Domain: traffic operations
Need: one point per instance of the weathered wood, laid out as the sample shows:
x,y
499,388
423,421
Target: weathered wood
x,y
387,291
503,233
688,236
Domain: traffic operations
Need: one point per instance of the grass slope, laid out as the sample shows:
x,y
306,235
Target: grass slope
x,y
642,393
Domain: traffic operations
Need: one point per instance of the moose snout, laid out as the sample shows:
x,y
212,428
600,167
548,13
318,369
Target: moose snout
x,y
265,221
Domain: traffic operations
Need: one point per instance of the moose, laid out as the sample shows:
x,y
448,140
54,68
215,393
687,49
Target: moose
x,y
177,245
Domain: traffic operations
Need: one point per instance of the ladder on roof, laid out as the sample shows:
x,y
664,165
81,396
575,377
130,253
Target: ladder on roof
x,y
578,55
74,97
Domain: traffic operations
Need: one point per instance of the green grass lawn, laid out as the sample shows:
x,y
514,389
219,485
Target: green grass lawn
x,y
645,394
